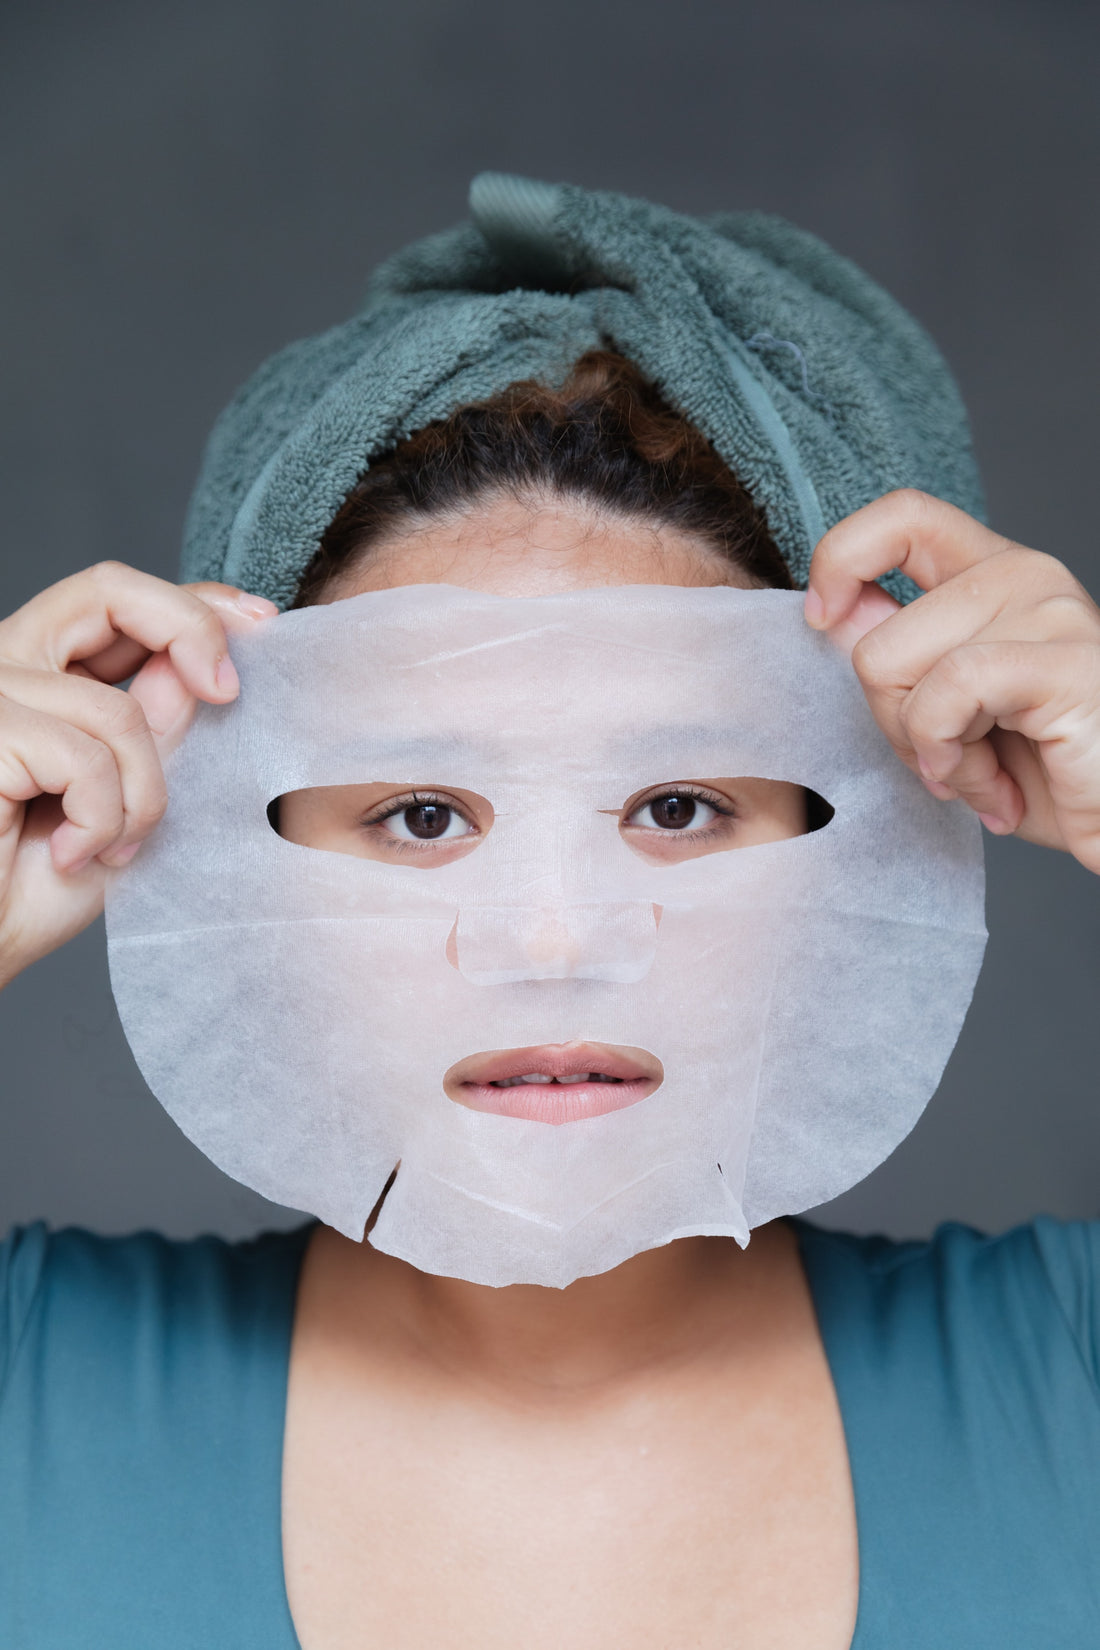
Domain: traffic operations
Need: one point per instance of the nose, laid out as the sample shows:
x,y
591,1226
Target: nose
x,y
499,945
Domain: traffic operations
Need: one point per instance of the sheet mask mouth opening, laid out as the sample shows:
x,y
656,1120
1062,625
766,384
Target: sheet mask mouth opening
x,y
555,1082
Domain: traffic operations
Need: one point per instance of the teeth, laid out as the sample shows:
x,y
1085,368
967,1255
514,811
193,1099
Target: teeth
x,y
541,1077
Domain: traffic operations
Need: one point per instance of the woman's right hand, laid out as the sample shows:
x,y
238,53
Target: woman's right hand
x,y
81,784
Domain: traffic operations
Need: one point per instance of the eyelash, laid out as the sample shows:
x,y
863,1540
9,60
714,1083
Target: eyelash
x,y
721,805
397,804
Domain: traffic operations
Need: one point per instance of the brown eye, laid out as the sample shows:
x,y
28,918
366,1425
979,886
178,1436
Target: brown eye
x,y
426,822
674,811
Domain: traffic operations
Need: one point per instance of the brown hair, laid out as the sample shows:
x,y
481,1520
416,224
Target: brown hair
x,y
605,436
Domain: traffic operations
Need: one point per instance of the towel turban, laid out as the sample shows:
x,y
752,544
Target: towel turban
x,y
817,389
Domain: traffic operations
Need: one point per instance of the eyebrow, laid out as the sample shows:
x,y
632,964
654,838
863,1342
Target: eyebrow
x,y
670,737
405,751
422,757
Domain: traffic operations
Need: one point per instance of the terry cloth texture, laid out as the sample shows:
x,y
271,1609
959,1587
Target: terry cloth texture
x,y
817,389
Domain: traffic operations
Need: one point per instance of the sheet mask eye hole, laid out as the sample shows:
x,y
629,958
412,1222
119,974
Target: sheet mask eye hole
x,y
415,825
687,819
818,811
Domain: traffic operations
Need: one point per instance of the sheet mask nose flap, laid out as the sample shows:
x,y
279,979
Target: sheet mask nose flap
x,y
500,945
297,1010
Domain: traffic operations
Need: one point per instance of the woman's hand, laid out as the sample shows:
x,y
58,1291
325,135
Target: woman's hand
x,y
988,686
80,760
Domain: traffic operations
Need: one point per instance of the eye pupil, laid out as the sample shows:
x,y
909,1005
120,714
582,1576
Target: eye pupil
x,y
672,813
427,819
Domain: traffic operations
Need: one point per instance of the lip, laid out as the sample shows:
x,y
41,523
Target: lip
x,y
635,1073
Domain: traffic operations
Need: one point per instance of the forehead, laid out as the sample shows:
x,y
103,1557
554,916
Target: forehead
x,y
611,678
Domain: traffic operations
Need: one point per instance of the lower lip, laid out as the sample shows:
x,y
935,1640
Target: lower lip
x,y
555,1102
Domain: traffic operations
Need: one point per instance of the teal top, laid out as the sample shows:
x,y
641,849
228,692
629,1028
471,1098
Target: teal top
x,y
143,1391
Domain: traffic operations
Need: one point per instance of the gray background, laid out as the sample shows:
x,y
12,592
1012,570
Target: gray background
x,y
187,185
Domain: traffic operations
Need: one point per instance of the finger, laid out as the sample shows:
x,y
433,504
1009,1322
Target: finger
x,y
167,705
873,607
237,610
1020,758
1018,595
42,754
980,779
892,657
923,536
117,661
83,616
1048,692
115,719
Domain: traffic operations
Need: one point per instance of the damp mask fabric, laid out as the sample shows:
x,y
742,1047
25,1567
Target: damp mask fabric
x,y
295,1009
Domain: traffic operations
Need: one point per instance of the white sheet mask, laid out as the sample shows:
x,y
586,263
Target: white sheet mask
x,y
296,1009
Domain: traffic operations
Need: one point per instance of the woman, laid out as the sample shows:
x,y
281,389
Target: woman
x,y
816,1441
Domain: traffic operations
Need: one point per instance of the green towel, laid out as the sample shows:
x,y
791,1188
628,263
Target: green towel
x,y
817,389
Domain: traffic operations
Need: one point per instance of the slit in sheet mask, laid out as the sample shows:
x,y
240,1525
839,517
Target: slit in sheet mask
x,y
529,924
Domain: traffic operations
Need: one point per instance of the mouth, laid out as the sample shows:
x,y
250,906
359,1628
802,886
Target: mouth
x,y
555,1082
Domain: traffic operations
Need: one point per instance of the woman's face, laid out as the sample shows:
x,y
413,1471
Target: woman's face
x,y
506,547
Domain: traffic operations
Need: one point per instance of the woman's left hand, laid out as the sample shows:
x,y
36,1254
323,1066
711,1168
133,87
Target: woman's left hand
x,y
988,685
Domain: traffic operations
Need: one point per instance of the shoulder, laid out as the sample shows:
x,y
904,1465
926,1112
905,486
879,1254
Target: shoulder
x,y
142,1396
1034,1290
78,1293
966,1372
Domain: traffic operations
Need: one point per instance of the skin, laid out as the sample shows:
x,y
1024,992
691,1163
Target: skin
x,y
368,820
653,1456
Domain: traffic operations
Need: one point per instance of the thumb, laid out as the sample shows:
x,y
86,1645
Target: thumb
x,y
873,606
167,704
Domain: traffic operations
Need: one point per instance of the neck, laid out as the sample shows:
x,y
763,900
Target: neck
x,y
661,1308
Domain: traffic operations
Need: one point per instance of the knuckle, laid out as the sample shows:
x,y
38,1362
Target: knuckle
x,y
870,660
90,759
106,572
121,717
149,811
956,671
1067,613
911,505
1054,570
914,719
1037,573
923,712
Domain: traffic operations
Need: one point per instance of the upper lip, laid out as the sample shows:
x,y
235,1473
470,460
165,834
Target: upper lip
x,y
629,1065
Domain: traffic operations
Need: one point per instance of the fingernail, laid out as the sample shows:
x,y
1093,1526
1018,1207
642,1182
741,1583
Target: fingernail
x,y
814,608
943,792
120,856
947,759
257,607
999,827
225,677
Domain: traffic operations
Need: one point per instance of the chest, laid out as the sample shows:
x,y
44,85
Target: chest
x,y
703,1513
